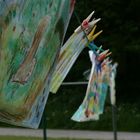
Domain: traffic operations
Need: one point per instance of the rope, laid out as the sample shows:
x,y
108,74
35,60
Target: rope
x,y
78,19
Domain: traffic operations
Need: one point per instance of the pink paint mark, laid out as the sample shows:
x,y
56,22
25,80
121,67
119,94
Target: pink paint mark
x,y
85,24
72,5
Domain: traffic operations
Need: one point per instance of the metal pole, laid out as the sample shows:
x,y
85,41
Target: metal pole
x,y
114,121
74,83
44,125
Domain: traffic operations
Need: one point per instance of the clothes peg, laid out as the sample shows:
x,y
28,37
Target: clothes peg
x,y
86,24
93,36
102,55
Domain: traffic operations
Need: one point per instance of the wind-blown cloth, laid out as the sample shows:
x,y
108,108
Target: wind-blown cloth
x,y
31,34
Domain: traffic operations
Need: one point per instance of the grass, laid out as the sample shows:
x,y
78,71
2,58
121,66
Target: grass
x,y
32,138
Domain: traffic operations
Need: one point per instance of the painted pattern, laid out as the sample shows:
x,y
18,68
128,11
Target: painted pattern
x,y
71,50
31,34
99,83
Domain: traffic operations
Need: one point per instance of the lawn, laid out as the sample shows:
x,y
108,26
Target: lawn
x,y
32,138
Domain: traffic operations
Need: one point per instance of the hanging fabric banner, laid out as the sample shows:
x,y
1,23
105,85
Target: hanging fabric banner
x,y
112,84
94,100
31,34
71,50
68,55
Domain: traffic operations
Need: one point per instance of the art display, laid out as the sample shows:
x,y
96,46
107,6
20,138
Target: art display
x,y
102,74
102,77
33,63
31,34
112,84
72,49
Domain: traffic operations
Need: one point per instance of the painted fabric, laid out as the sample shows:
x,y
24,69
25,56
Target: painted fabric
x,y
112,84
71,50
94,100
31,33
68,55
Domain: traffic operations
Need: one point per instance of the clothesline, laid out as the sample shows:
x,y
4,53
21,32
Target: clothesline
x,y
74,83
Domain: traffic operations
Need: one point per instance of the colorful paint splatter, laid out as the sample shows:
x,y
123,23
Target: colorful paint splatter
x,y
99,82
70,52
31,34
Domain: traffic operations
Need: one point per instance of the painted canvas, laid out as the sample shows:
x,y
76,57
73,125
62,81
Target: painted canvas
x,y
68,55
31,34
94,100
71,50
112,83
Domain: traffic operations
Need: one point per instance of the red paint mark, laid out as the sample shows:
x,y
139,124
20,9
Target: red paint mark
x,y
101,57
85,24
